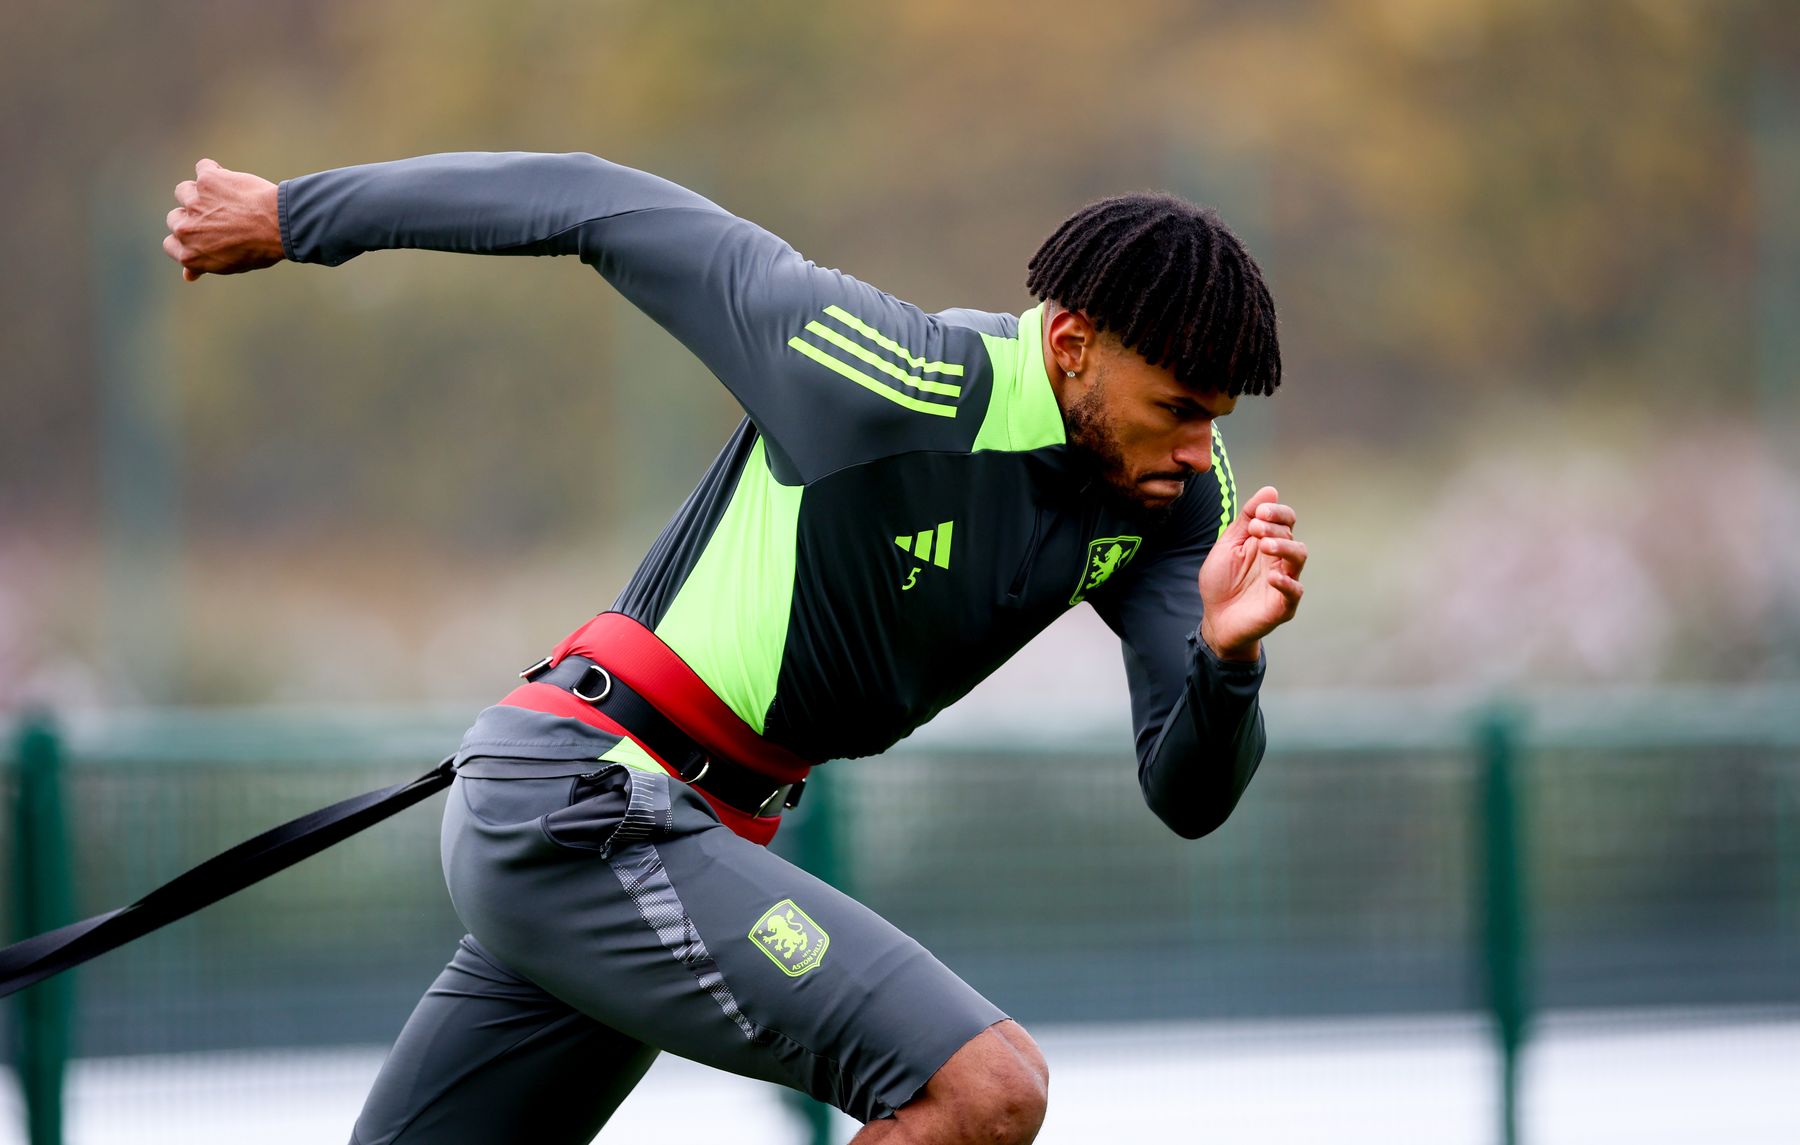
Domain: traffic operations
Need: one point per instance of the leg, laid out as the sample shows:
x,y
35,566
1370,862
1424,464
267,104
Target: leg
x,y
489,1057
629,902
990,1092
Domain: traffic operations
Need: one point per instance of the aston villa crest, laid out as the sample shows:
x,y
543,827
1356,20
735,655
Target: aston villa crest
x,y
1105,557
791,939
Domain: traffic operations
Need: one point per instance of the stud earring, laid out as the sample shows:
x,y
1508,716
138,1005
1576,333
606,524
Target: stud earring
x,y
1071,373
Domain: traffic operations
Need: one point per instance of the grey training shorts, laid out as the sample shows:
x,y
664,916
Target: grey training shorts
x,y
611,915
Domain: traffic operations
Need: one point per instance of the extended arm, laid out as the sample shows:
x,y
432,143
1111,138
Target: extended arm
x,y
737,296
679,257
1194,682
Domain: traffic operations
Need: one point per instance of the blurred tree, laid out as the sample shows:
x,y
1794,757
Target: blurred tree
x,y
1471,210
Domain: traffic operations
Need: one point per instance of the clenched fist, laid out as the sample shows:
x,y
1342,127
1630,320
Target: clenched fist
x,y
226,223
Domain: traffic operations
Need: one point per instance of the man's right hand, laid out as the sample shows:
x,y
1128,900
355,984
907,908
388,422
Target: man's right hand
x,y
226,223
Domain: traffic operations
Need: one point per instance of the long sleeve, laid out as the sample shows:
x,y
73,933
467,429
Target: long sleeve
x,y
809,352
1197,719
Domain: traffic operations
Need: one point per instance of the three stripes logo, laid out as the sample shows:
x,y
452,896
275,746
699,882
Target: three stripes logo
x,y
879,364
928,545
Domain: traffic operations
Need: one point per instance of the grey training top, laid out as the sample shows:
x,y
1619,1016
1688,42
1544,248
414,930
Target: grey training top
x,y
899,512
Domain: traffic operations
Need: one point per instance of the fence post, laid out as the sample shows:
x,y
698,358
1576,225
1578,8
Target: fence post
x,y
812,843
43,902
1505,950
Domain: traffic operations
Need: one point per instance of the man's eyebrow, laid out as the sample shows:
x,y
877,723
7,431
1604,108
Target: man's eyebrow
x,y
1193,404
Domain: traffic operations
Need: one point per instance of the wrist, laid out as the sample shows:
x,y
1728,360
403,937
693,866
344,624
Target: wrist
x,y
1240,651
269,237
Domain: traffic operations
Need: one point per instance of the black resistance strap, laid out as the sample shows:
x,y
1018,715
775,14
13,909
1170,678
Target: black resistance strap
x,y
25,963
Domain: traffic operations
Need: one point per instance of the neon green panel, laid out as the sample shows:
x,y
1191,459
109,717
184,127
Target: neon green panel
x,y
1022,412
631,755
730,620
922,549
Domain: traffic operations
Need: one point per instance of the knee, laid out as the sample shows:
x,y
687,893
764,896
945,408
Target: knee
x,y
1008,1108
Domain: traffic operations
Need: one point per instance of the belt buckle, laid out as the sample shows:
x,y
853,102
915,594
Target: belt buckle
x,y
774,803
783,798
581,681
705,766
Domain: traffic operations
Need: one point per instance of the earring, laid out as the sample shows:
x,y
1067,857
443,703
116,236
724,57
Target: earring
x,y
1071,373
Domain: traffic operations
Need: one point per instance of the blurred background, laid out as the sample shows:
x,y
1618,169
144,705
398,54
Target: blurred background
x,y
1533,792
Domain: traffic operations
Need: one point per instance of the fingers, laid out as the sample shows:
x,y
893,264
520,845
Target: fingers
x,y
1266,518
1290,553
1264,496
173,248
1247,513
177,222
187,192
204,166
1263,515
1287,586
1273,511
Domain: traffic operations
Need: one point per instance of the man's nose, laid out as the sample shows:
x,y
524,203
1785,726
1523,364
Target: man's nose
x,y
1195,450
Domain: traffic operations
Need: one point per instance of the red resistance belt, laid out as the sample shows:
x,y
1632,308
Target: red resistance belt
x,y
633,654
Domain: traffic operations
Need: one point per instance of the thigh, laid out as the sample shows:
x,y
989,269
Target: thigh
x,y
488,1056
633,905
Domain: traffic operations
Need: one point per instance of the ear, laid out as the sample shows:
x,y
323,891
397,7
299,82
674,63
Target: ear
x,y
1071,339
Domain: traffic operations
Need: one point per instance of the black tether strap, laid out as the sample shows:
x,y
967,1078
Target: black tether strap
x,y
25,963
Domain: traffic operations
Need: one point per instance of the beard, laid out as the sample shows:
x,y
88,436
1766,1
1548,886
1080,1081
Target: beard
x,y
1095,444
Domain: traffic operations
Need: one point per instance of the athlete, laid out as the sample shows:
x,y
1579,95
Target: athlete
x,y
910,498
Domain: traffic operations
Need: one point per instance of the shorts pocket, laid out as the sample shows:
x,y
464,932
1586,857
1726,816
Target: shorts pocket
x,y
599,804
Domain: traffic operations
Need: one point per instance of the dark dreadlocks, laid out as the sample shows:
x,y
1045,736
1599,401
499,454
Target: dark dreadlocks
x,y
1172,282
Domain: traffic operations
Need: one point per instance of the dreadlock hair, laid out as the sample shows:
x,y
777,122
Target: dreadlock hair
x,y
1172,282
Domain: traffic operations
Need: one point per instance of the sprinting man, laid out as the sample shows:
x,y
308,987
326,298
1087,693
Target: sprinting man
x,y
910,499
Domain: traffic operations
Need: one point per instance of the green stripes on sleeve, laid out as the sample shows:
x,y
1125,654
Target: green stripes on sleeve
x,y
881,363
892,346
914,392
1022,412
1221,468
729,621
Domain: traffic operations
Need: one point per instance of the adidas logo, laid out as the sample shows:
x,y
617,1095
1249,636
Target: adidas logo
x,y
928,545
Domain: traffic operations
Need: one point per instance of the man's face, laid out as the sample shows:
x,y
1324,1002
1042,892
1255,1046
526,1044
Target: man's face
x,y
1143,431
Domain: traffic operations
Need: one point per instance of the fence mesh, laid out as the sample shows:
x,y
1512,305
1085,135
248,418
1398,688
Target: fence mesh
x,y
1663,887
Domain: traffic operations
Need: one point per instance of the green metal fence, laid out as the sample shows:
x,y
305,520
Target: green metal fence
x,y
1398,854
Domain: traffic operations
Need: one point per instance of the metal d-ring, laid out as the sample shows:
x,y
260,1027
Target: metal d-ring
x,y
575,688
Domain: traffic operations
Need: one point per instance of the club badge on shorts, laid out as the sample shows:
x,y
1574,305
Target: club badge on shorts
x,y
791,939
1105,557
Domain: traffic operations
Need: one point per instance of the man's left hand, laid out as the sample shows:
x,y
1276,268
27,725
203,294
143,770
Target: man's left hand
x,y
1250,583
